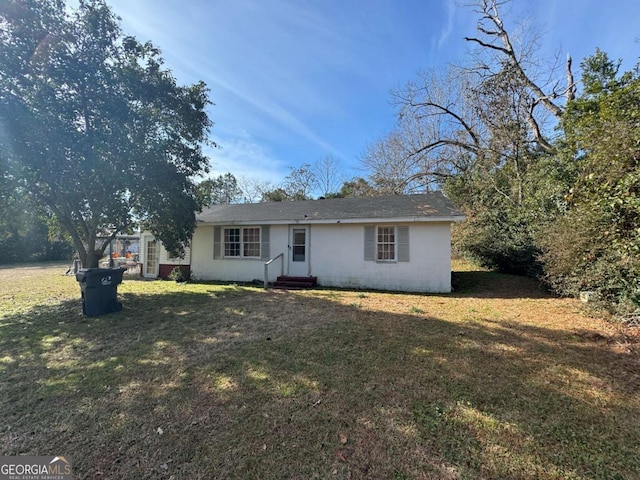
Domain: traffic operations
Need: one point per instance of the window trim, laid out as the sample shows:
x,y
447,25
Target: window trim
x,y
255,243
401,243
379,244
241,242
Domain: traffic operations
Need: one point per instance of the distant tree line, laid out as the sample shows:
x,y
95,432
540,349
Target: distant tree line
x,y
321,179
27,234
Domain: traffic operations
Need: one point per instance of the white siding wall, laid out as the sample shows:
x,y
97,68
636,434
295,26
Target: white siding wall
x,y
336,254
166,260
204,267
337,259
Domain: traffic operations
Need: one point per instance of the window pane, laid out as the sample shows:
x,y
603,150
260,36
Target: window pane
x,y
251,235
231,235
299,244
251,242
298,253
231,242
386,243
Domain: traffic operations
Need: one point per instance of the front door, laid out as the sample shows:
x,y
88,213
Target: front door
x,y
299,251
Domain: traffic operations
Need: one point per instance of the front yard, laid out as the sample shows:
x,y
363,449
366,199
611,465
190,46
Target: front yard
x,y
203,381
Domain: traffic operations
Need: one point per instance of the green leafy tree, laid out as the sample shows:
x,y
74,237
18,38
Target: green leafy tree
x,y
357,187
223,189
595,246
298,185
93,126
276,195
501,188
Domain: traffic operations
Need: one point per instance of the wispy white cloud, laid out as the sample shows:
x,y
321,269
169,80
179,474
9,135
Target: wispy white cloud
x,y
260,61
241,155
447,28
303,79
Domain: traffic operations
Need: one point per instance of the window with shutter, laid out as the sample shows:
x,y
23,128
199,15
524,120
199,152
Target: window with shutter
x,y
386,243
240,242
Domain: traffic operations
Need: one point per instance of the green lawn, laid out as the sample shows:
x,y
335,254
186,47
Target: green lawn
x,y
203,381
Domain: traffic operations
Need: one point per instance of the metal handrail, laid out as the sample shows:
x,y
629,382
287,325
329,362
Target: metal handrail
x,y
266,268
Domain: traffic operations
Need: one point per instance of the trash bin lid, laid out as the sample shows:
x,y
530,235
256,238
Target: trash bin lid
x,y
95,277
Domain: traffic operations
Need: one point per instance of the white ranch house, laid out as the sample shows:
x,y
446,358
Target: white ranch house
x,y
398,243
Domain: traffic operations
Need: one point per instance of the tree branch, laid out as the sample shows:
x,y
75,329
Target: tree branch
x,y
490,12
571,85
447,111
487,45
537,134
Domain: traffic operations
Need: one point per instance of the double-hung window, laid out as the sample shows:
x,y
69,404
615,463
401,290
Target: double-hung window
x,y
242,242
232,242
251,242
386,244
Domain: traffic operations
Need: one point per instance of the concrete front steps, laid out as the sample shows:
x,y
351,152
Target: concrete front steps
x,y
295,283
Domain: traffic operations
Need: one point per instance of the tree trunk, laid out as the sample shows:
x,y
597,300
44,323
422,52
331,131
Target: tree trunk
x,y
93,258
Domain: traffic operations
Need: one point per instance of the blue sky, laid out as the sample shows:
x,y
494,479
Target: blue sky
x,y
294,81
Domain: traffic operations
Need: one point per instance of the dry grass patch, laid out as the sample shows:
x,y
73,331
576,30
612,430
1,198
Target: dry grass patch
x,y
497,380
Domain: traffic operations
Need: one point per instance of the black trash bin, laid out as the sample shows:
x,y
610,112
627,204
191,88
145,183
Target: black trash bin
x,y
99,288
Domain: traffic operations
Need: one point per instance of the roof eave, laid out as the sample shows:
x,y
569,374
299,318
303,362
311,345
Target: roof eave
x,y
329,221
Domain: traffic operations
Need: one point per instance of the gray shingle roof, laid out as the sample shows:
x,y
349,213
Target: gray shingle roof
x,y
432,206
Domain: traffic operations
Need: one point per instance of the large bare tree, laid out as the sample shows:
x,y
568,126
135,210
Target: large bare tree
x,y
485,114
498,53
329,177
437,134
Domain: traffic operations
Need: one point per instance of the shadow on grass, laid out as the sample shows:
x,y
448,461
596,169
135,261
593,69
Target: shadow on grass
x,y
243,383
484,284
